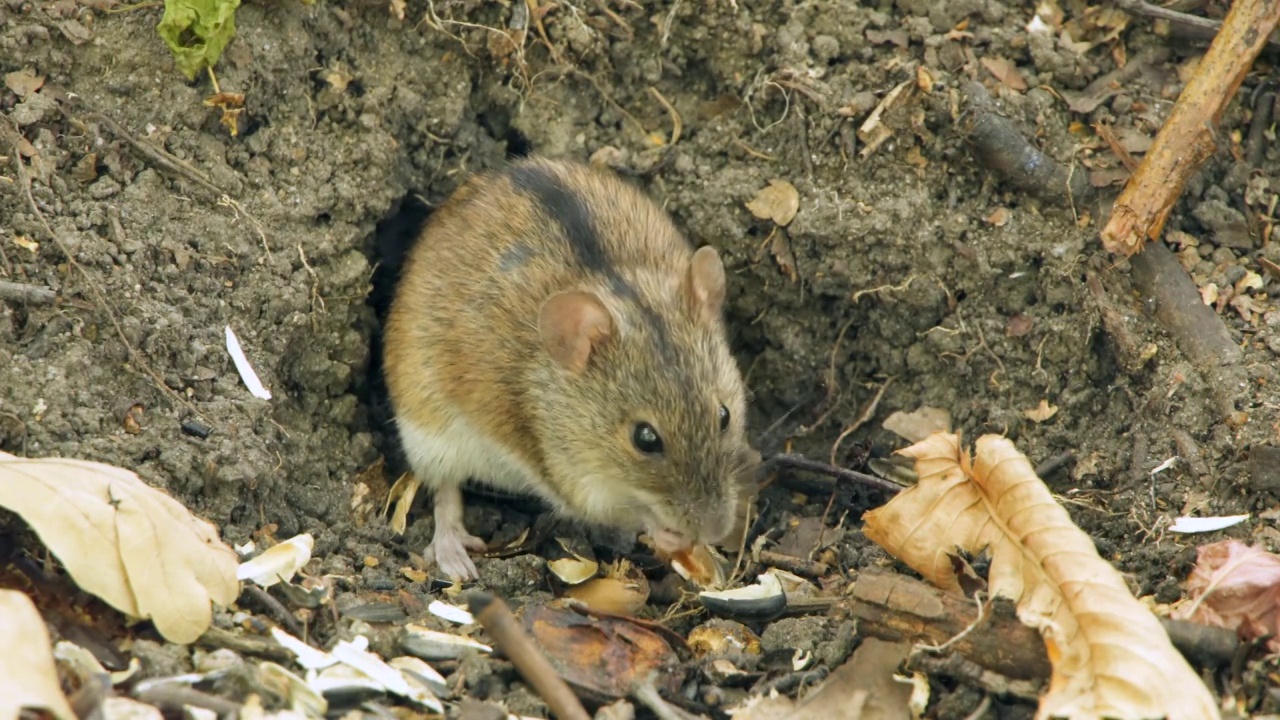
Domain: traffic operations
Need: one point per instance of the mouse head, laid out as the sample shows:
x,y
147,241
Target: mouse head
x,y
641,407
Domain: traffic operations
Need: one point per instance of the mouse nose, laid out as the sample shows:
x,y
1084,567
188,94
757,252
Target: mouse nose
x,y
668,540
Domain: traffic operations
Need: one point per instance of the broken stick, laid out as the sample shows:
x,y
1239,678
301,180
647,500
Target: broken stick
x,y
998,144
896,607
1196,329
1187,138
515,643
23,293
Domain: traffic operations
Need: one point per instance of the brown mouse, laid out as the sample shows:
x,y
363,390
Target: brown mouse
x,y
552,332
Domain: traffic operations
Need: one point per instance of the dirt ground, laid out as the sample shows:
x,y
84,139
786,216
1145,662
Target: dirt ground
x,y
908,269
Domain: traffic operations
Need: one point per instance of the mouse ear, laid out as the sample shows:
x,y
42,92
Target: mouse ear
x,y
573,324
704,283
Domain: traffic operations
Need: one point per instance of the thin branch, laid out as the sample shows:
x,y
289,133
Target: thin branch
x,y
799,462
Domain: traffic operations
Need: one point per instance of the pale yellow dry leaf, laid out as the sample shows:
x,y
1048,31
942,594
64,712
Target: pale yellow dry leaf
x,y
779,202
28,676
1041,412
128,543
1111,657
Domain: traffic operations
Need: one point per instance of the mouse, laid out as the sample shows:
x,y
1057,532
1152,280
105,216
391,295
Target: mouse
x,y
553,333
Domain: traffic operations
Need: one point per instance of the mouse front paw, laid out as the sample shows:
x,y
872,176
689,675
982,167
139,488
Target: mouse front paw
x,y
450,549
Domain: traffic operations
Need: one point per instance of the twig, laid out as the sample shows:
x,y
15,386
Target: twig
x,y
217,638
957,667
1203,27
515,643
1197,330
797,565
280,611
174,698
21,292
998,144
677,125
1256,144
799,462
1187,138
867,413
832,383
646,694
165,160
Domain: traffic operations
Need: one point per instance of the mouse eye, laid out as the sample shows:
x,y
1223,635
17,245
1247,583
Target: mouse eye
x,y
646,439
724,418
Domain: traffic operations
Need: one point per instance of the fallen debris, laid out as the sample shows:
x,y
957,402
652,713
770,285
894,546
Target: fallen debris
x,y
278,563
24,293
128,543
517,645
250,378
918,424
1206,524
778,202
999,145
1198,331
1110,656
1187,138
1236,586
28,677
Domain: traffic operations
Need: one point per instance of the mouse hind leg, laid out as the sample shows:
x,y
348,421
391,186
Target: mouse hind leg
x,y
445,455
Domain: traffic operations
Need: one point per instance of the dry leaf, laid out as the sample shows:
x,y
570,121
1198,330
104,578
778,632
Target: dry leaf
x,y
918,424
75,31
779,202
231,105
1006,72
1110,655
1019,325
1250,281
874,131
916,160
1041,412
23,82
1237,587
1245,305
780,248
998,217
128,543
28,677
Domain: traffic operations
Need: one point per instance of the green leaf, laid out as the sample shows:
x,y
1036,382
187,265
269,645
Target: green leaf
x,y
197,31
